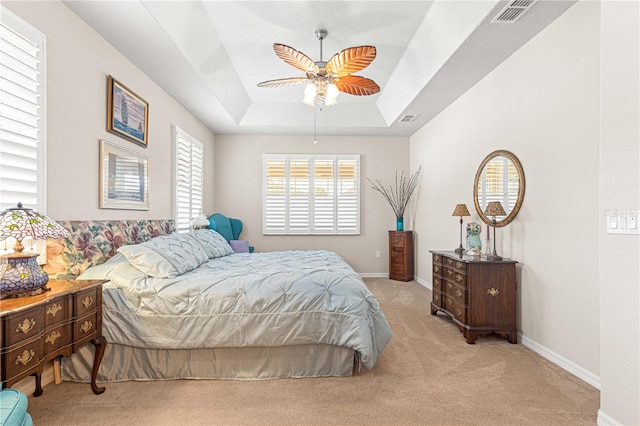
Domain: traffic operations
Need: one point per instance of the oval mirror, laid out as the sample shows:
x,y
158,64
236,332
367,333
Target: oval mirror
x,y
499,178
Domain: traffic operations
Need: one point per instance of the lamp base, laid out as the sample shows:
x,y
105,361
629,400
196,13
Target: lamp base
x,y
493,257
20,275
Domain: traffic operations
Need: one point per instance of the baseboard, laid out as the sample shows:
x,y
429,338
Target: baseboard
x,y
561,361
423,283
605,420
374,275
28,384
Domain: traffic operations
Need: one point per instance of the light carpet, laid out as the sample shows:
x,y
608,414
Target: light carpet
x,y
428,375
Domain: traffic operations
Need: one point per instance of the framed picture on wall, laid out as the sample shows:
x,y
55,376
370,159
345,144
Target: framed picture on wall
x,y
127,113
124,178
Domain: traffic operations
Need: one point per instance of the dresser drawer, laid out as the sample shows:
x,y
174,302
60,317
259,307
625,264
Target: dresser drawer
x,y
23,325
457,310
459,294
85,302
84,329
437,283
438,269
437,299
437,259
57,338
396,242
456,264
397,256
455,276
397,269
20,359
57,311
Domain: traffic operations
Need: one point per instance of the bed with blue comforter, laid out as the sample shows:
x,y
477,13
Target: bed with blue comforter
x,y
186,306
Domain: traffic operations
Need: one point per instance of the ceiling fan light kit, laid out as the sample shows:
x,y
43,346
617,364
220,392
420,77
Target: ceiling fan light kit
x,y
325,80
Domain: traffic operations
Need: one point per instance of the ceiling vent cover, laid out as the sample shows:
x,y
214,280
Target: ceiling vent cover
x,y
513,11
408,118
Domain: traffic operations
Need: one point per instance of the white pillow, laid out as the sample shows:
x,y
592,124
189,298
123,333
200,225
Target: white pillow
x,y
214,244
99,272
166,256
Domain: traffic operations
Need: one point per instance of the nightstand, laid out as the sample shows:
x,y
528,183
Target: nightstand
x,y
401,255
37,329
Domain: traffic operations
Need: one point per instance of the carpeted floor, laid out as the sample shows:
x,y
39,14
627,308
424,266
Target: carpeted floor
x,y
427,375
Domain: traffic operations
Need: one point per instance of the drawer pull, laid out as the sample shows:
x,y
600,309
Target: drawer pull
x,y
87,326
449,272
52,337
493,292
458,264
449,261
449,285
458,292
436,297
437,269
459,278
53,309
26,357
458,312
87,301
26,326
436,258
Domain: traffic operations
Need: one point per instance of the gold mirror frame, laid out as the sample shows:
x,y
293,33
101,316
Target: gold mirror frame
x,y
511,214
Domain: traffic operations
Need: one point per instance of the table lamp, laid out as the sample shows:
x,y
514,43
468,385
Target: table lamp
x,y
199,222
460,210
494,208
20,273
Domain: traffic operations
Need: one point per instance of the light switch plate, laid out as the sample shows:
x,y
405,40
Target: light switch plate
x,y
623,222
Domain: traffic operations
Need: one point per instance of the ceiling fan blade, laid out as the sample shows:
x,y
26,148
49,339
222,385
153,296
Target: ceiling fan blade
x,y
350,60
283,82
295,58
356,85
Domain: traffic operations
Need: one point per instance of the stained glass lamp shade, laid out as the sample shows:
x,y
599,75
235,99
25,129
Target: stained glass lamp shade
x,y
19,272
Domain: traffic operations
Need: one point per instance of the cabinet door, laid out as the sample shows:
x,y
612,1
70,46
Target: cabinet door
x,y
492,295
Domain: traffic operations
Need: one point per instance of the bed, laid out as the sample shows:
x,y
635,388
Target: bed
x,y
182,306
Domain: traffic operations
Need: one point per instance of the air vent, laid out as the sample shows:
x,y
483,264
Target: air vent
x,y
513,11
408,118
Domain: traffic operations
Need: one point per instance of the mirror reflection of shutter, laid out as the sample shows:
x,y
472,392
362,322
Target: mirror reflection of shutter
x,y
324,196
275,181
348,194
299,195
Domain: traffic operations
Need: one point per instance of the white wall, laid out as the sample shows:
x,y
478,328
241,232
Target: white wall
x,y
239,192
78,62
542,104
619,190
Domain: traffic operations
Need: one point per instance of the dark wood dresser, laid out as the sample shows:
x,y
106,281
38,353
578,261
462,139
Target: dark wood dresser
x,y
37,329
479,295
401,255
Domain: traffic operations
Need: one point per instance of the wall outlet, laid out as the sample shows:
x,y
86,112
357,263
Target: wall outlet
x,y
378,255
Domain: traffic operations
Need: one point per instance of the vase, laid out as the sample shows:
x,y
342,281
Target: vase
x,y
473,241
399,223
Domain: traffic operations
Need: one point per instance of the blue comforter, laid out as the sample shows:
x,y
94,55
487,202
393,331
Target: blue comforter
x,y
259,299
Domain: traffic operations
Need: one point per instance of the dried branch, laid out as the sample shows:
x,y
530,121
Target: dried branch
x,y
399,196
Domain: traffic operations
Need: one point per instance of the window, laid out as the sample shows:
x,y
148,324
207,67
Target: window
x,y
22,113
189,179
311,194
22,119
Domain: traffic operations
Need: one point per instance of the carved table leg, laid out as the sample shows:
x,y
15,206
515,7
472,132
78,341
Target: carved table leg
x,y
100,343
38,390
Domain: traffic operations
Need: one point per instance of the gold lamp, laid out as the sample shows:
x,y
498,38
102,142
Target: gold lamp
x,y
460,210
494,208
20,273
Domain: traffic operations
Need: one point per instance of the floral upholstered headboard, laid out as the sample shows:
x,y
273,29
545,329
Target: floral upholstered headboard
x,y
92,242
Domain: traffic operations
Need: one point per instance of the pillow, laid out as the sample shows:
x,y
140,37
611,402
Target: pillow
x,y
213,243
99,272
239,246
166,256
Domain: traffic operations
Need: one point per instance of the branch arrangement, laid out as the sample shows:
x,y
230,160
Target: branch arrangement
x,y
398,197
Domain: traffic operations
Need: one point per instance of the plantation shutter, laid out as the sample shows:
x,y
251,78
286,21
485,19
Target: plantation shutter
x,y
189,179
22,113
307,194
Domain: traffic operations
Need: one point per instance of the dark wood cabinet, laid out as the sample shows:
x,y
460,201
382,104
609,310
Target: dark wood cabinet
x,y
401,255
479,295
37,329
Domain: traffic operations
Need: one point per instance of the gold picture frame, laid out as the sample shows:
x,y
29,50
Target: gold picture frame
x,y
124,178
127,113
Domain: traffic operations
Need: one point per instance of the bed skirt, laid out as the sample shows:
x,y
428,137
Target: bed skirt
x,y
123,363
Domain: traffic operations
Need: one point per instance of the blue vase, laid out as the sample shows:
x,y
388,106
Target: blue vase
x,y
400,223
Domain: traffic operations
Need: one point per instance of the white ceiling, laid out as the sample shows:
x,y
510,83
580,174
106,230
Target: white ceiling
x,y
210,56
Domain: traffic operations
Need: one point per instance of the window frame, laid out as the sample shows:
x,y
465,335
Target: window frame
x,y
318,215
195,201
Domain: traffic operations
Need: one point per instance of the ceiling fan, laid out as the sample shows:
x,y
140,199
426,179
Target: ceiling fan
x,y
327,79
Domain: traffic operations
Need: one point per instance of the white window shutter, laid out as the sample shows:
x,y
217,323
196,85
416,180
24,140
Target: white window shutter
x,y
189,179
311,194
